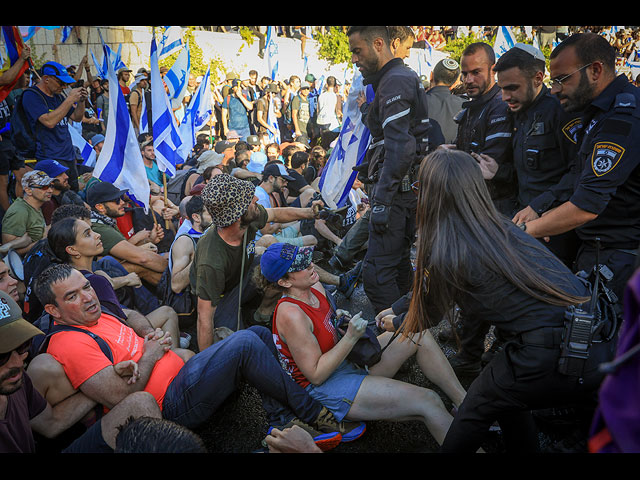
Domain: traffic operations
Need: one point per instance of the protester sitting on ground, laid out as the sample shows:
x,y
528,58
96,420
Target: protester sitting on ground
x,y
8,283
75,243
59,187
107,204
24,216
274,178
299,190
188,392
313,353
25,411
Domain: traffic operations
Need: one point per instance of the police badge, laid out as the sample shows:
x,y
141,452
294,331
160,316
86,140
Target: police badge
x,y
605,157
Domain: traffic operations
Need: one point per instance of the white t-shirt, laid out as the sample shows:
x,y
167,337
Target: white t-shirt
x,y
327,102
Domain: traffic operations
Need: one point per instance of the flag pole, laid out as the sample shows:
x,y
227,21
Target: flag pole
x,y
166,202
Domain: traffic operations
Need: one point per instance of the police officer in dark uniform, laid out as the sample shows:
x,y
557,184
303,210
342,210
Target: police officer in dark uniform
x,y
401,135
484,130
484,126
510,281
605,204
544,141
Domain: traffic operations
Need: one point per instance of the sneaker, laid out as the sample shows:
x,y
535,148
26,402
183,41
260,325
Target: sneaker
x,y
325,440
464,365
335,263
349,280
350,431
185,340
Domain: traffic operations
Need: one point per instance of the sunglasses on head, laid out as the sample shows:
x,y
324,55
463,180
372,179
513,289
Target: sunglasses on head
x,y
20,350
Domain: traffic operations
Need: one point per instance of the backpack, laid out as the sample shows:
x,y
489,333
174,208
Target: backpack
x,y
175,185
22,135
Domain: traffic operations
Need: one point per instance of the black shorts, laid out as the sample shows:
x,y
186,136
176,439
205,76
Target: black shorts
x,y
9,161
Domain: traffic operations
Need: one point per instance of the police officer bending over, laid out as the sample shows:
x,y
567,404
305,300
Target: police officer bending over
x,y
544,141
472,256
606,201
401,135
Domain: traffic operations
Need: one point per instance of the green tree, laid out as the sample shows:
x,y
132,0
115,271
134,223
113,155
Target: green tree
x,y
333,46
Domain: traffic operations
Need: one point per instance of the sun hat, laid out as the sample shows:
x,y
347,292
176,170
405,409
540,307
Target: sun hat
x,y
227,198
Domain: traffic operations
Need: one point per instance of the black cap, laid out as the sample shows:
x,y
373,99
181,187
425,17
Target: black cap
x,y
103,192
276,169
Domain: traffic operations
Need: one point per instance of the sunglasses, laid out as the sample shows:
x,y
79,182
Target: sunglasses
x,y
42,187
20,350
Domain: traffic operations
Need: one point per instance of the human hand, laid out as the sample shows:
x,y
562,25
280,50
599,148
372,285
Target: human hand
x,y
488,165
357,326
150,246
157,234
291,440
133,280
157,343
316,206
362,98
26,52
525,215
128,369
384,320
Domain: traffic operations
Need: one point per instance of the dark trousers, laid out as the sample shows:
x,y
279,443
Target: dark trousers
x,y
387,272
520,378
209,377
354,240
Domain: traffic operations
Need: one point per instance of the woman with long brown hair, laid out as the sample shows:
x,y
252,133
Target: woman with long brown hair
x,y
470,256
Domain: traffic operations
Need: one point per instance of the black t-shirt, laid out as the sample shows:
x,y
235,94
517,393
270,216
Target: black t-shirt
x,y
15,430
296,185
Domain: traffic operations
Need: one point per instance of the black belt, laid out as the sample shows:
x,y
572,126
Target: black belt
x,y
548,337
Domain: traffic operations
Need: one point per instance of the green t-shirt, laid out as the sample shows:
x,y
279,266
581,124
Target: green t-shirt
x,y
215,270
21,218
109,235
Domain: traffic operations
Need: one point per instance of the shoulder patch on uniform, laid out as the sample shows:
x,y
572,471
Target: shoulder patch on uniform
x,y
571,129
605,157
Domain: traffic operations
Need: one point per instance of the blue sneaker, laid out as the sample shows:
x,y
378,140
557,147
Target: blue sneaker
x,y
350,431
349,280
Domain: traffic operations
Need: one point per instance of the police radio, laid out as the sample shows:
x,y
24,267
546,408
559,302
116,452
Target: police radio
x,y
581,326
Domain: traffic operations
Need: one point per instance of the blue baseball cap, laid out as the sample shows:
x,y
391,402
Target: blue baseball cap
x,y
257,162
57,70
50,167
282,258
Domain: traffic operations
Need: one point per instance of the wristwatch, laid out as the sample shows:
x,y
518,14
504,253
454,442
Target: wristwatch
x,y
523,227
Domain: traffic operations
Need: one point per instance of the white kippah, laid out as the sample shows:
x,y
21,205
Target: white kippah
x,y
531,50
450,64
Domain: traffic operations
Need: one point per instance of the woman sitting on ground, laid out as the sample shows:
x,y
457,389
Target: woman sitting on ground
x,y
316,357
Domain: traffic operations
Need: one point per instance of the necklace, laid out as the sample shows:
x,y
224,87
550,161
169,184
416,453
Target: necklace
x,y
314,303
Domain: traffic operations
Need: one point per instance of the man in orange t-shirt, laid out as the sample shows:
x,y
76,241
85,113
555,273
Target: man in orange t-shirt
x,y
188,388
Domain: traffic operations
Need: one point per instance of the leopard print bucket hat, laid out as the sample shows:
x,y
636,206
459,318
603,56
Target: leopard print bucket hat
x,y
227,198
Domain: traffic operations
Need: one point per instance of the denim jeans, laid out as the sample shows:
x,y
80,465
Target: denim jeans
x,y
209,377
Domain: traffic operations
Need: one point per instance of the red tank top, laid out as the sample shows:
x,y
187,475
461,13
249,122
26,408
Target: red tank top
x,y
323,330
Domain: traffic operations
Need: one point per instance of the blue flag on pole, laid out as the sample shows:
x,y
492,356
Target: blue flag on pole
x,y
272,53
196,116
86,149
166,139
505,40
338,175
177,78
171,41
120,161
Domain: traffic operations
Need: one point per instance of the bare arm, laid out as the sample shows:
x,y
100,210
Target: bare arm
x,y
140,256
292,214
182,255
562,219
206,312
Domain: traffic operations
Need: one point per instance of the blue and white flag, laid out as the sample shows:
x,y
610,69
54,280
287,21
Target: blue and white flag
x,y
505,40
166,139
66,31
351,146
272,53
272,121
177,78
171,41
196,115
120,161
86,149
144,117
108,56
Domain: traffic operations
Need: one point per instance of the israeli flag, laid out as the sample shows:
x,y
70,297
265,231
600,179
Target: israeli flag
x,y
505,40
177,78
86,149
109,56
120,161
272,53
171,41
144,117
272,121
166,139
196,116
351,146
